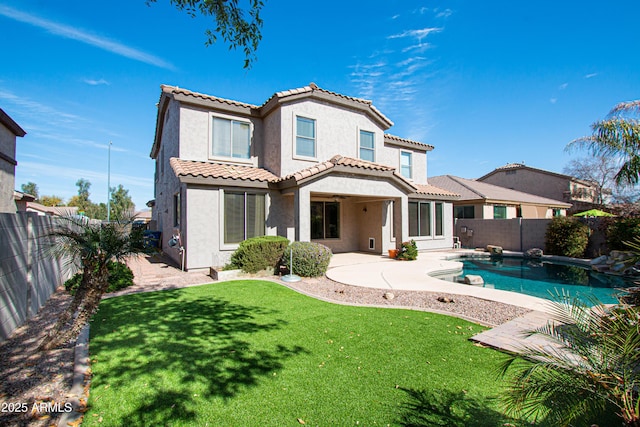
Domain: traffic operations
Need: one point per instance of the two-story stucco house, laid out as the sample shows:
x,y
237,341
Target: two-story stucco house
x,y
308,164
517,176
9,131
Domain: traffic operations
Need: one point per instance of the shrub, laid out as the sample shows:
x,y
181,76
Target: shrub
x,y
309,259
408,251
120,277
622,230
566,236
259,253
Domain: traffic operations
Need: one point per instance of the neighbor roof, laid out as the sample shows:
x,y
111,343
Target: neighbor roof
x,y
514,166
472,190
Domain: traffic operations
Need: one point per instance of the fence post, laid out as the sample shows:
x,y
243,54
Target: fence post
x,y
521,233
29,256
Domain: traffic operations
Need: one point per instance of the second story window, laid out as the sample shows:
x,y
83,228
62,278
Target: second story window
x,y
406,164
231,138
305,137
367,146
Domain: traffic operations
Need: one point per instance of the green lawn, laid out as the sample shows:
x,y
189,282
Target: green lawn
x,y
254,353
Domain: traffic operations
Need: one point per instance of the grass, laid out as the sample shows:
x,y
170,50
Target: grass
x,y
249,353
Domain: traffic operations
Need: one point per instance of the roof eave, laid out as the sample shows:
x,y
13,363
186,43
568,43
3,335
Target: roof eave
x,y
10,124
222,182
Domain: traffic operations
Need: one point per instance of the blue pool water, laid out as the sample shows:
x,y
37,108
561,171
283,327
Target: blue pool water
x,y
543,279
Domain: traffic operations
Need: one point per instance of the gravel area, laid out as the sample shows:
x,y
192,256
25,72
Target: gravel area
x,y
29,380
489,313
33,385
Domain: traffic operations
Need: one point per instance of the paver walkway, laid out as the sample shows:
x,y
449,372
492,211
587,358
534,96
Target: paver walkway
x,y
156,273
512,336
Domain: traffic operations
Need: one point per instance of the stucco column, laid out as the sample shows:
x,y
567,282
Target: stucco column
x,y
302,206
387,226
402,214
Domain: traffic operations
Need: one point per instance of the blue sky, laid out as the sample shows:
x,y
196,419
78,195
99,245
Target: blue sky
x,y
486,82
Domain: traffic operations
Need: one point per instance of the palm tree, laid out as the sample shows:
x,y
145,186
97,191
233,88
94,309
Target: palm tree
x,y
590,368
87,246
618,137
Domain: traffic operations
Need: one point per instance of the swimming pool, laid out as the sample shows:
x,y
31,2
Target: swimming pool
x,y
542,279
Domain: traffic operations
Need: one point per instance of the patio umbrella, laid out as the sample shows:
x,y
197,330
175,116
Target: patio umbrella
x,y
593,212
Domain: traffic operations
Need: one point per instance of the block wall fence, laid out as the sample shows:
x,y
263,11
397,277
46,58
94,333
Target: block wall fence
x,y
28,275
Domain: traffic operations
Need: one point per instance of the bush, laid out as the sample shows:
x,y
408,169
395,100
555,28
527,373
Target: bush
x,y
309,259
567,237
622,230
408,251
259,253
120,277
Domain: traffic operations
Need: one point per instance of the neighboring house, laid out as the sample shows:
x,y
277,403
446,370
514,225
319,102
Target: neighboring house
x,y
486,201
9,131
25,203
308,164
516,176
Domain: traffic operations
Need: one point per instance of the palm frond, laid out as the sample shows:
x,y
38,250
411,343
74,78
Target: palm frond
x,y
591,361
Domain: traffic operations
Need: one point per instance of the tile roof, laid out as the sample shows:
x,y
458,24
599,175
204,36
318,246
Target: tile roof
x,y
512,166
432,190
219,170
175,90
199,169
473,190
310,89
337,161
394,138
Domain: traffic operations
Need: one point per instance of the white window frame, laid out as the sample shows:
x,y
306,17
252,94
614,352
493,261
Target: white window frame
x,y
360,147
410,153
232,119
295,154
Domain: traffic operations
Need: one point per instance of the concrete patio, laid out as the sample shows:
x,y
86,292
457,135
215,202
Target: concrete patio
x,y
376,271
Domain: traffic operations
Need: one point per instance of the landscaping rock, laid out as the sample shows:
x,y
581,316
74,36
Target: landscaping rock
x,y
533,253
446,300
388,295
472,279
494,250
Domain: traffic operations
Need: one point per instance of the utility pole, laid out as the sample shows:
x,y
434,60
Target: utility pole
x,y
109,184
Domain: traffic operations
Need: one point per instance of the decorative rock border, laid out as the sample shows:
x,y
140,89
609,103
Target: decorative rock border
x,y
81,372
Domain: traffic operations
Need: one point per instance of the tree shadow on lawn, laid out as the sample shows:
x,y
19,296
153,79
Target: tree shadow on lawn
x,y
180,343
451,409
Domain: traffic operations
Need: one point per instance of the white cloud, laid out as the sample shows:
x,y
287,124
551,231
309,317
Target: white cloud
x,y
591,75
36,109
443,14
563,86
100,42
94,82
418,34
419,48
553,100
